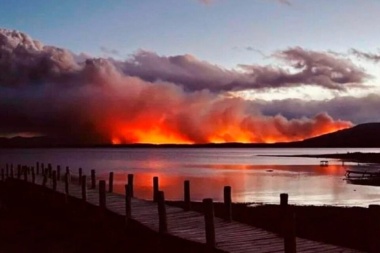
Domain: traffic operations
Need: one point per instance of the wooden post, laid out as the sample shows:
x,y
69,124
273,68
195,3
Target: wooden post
x,y
7,170
50,170
25,173
289,232
67,169
110,182
67,182
228,202
186,191
84,188
2,175
42,168
58,173
208,208
130,185
37,168
155,189
284,200
80,173
163,226
33,176
93,179
128,209
374,228
19,171
44,180
11,172
102,194
54,176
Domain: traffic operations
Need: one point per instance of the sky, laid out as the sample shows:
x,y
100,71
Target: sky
x,y
268,70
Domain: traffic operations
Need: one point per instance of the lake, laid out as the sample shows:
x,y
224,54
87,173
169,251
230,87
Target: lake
x,y
252,176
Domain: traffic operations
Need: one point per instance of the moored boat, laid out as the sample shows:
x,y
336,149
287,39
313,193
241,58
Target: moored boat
x,y
363,175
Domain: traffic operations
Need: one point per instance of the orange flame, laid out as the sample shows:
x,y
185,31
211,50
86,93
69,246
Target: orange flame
x,y
160,132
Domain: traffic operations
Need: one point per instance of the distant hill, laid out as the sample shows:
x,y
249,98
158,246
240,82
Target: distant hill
x,y
364,135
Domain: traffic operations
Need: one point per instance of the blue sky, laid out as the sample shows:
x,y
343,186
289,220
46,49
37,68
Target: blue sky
x,y
218,32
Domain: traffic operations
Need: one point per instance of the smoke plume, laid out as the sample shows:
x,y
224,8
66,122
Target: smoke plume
x,y
151,99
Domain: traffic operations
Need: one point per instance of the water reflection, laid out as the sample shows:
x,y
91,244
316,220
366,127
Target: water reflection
x,y
252,178
308,184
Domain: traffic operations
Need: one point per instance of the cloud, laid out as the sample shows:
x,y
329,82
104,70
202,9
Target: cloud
x,y
206,1
108,51
50,91
309,68
355,109
366,56
287,2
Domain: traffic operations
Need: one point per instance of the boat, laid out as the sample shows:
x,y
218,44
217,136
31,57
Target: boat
x,y
363,175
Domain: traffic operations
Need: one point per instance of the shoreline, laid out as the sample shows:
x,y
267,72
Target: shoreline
x,y
347,157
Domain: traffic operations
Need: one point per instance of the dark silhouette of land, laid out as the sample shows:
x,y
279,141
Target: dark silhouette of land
x,y
364,135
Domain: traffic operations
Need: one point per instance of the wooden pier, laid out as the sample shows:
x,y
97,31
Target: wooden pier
x,y
216,234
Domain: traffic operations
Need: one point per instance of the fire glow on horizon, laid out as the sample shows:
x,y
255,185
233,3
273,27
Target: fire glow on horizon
x,y
154,99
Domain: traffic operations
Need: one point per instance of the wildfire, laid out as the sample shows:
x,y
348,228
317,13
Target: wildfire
x,y
163,133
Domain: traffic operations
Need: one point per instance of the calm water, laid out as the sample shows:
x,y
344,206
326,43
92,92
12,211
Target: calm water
x,y
253,178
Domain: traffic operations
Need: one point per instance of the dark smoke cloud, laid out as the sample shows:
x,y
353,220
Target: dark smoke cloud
x,y
48,90
355,109
24,60
311,68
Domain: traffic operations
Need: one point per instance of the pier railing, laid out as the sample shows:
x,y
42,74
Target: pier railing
x,y
215,233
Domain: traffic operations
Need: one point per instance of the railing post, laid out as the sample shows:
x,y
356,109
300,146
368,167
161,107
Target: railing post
x,y
208,208
19,171
54,176
33,176
227,202
102,195
42,168
128,209
67,183
11,172
50,170
374,228
37,168
284,200
130,185
2,175
163,226
44,179
110,182
186,191
80,173
84,188
7,170
25,172
93,179
155,189
58,173
289,232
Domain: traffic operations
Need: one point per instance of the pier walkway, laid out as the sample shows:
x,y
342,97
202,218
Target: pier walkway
x,y
227,236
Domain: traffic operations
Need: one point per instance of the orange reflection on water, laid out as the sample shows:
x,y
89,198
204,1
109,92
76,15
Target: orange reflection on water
x,y
249,183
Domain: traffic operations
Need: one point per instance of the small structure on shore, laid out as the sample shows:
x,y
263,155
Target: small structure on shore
x,y
324,163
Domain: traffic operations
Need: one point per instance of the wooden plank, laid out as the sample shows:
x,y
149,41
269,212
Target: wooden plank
x,y
189,225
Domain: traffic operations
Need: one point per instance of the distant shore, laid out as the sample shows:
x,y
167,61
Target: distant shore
x,y
348,157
